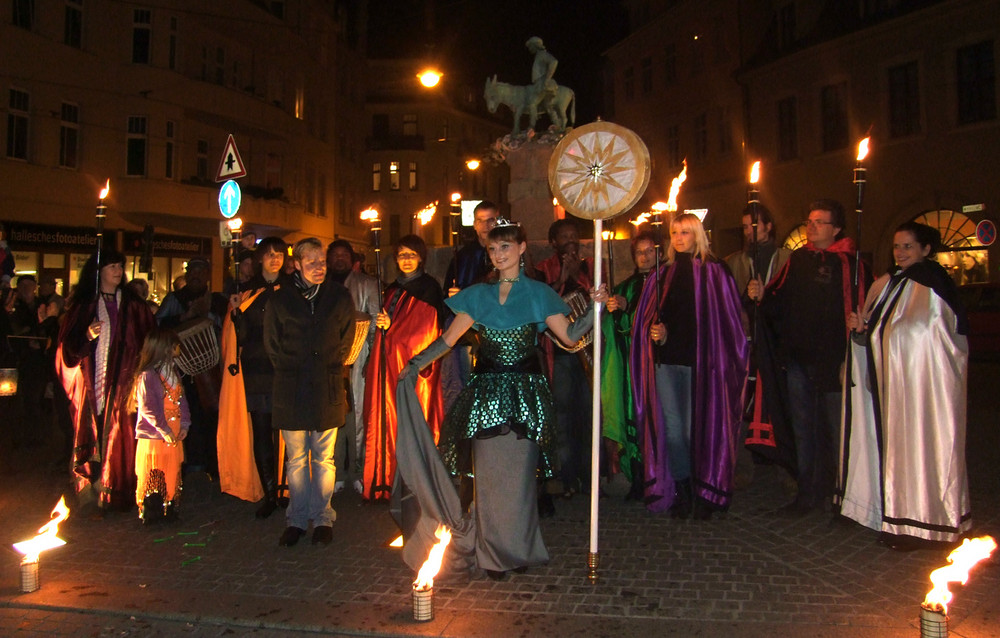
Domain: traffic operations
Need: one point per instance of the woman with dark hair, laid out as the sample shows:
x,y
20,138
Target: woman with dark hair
x,y
410,320
99,345
245,404
902,469
617,406
501,425
689,368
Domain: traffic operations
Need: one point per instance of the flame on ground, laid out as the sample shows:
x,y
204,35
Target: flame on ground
x,y
46,538
675,188
962,559
431,566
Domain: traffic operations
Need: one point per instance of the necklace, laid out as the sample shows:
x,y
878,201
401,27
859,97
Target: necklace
x,y
509,280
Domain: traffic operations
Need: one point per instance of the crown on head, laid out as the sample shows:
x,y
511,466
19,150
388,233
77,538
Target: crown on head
x,y
503,223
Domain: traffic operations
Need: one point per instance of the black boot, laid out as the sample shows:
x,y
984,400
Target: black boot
x,y
546,508
152,509
682,500
270,500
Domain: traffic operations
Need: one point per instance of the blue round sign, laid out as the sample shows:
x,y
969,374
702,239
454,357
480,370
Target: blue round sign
x,y
229,199
986,232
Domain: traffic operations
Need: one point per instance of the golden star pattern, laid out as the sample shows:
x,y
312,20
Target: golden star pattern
x,y
599,173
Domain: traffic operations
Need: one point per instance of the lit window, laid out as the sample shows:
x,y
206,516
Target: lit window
x,y
376,176
394,176
413,176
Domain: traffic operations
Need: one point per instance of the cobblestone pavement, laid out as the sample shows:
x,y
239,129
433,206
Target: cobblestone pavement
x,y
220,572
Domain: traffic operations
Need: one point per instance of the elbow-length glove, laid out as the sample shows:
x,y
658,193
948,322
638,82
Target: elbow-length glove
x,y
425,357
583,324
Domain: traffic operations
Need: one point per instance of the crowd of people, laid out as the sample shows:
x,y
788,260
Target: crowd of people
x,y
469,396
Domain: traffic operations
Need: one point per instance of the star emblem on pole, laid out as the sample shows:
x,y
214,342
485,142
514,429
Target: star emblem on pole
x,y
597,171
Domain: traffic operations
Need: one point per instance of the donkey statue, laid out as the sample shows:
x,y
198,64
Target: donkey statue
x,y
522,98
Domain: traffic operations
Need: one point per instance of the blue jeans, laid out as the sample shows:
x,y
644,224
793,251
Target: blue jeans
x,y
673,388
309,498
815,417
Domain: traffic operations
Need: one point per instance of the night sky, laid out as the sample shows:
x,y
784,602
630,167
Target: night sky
x,y
473,39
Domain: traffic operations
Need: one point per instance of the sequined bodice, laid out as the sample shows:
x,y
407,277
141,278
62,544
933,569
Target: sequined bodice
x,y
508,347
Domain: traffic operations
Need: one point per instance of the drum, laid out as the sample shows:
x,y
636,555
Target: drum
x,y
199,346
578,306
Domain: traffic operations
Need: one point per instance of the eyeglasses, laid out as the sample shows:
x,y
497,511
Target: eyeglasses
x,y
816,222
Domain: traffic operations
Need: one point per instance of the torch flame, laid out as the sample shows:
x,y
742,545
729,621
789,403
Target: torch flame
x,y
962,559
863,149
369,215
426,214
755,172
641,219
675,188
46,538
431,566
105,190
456,197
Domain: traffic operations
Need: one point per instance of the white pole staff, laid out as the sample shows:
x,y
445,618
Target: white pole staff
x,y
595,441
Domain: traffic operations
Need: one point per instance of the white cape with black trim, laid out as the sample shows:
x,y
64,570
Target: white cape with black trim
x,y
902,468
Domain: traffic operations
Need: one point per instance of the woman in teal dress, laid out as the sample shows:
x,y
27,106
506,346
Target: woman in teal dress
x,y
500,427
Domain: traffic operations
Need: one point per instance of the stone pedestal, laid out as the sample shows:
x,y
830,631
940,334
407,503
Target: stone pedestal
x,y
529,195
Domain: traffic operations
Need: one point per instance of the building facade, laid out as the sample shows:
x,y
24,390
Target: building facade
x,y
806,81
418,146
147,94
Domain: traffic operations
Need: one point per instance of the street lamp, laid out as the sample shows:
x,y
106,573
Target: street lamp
x,y
429,78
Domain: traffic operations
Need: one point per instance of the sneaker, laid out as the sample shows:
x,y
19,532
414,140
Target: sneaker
x,y
359,487
338,487
322,534
290,536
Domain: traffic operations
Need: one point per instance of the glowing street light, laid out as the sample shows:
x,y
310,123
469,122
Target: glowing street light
x,y
472,164
429,78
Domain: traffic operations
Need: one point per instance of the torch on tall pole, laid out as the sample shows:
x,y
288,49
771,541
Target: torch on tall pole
x,y
753,198
656,221
371,215
100,215
860,179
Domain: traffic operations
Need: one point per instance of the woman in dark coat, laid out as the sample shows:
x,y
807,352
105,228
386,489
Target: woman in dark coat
x,y
99,346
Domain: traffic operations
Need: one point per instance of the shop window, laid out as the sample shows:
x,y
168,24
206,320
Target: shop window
x,y
966,260
797,238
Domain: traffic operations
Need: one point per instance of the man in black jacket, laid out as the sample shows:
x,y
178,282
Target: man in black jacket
x,y
308,328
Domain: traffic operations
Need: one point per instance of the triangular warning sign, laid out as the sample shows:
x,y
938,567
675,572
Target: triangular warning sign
x,y
231,165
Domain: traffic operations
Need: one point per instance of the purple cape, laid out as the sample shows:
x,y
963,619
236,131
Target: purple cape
x,y
718,379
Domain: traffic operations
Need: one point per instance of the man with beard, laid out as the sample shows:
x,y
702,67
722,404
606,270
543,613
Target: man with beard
x,y
568,274
350,451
